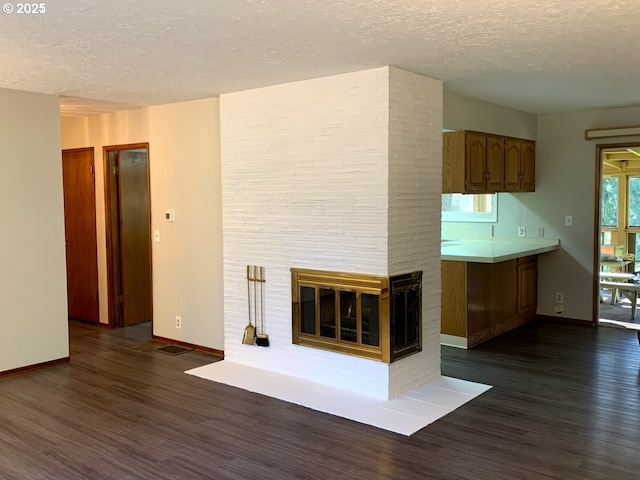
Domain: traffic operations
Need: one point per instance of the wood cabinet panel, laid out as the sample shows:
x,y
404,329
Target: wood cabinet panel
x,y
476,162
519,165
495,163
512,150
454,294
482,300
491,294
527,272
528,167
453,165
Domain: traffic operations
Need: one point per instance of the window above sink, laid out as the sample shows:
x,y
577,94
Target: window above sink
x,y
458,207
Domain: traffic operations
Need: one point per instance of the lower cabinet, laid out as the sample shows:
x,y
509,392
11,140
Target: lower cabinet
x,y
483,300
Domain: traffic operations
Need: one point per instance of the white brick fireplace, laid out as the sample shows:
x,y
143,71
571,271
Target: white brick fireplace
x,y
339,173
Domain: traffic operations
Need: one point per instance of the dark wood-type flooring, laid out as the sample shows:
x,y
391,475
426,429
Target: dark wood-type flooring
x,y
564,405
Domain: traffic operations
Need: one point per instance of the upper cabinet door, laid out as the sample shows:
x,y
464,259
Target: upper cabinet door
x,y
519,165
528,167
495,164
475,159
512,152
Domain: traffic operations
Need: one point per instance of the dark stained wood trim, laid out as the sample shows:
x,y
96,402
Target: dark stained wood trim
x,y
560,319
81,149
113,308
596,223
112,302
126,146
37,366
212,351
595,297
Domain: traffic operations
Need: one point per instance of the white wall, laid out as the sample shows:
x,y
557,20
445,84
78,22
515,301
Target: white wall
x,y
33,298
184,159
307,183
565,185
464,113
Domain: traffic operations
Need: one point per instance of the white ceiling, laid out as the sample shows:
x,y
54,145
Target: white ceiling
x,y
537,56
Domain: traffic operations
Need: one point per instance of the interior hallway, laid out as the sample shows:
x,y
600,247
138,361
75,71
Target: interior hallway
x,y
563,405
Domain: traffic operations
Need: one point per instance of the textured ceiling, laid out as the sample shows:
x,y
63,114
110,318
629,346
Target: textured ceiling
x,y
536,56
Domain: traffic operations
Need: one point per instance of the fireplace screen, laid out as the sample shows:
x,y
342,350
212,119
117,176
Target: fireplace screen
x,y
366,315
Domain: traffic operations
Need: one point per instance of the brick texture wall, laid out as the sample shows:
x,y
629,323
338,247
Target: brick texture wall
x,y
415,186
306,183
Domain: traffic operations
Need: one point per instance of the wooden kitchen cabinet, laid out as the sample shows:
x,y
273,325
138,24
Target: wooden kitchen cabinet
x,y
527,283
473,162
476,162
483,300
519,165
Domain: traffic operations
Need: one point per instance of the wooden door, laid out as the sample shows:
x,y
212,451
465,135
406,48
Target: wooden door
x,y
475,162
512,153
495,163
128,235
80,234
528,166
135,237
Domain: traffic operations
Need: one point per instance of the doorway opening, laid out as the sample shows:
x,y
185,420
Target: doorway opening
x,y
128,233
617,272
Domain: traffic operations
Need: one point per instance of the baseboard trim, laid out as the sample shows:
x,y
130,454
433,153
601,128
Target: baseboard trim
x,y
212,351
37,366
453,341
574,321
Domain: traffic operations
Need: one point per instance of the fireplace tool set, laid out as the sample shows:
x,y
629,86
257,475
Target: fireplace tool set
x,y
254,334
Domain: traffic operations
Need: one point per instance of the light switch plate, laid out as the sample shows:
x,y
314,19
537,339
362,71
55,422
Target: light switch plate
x,y
568,220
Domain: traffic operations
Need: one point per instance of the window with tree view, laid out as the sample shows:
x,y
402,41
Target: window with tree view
x,y
609,206
634,202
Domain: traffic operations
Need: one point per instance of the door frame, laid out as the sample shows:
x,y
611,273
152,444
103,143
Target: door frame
x,y
112,230
597,223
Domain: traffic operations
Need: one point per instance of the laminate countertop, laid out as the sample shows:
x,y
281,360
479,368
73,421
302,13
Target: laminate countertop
x,y
496,249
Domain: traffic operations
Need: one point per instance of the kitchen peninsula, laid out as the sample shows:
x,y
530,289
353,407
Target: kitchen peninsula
x,y
488,287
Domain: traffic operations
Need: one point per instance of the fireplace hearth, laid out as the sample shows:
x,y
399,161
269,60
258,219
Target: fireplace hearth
x,y
370,316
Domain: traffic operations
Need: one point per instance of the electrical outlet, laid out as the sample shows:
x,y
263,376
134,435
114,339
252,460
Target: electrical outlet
x,y
522,232
178,322
559,297
540,232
